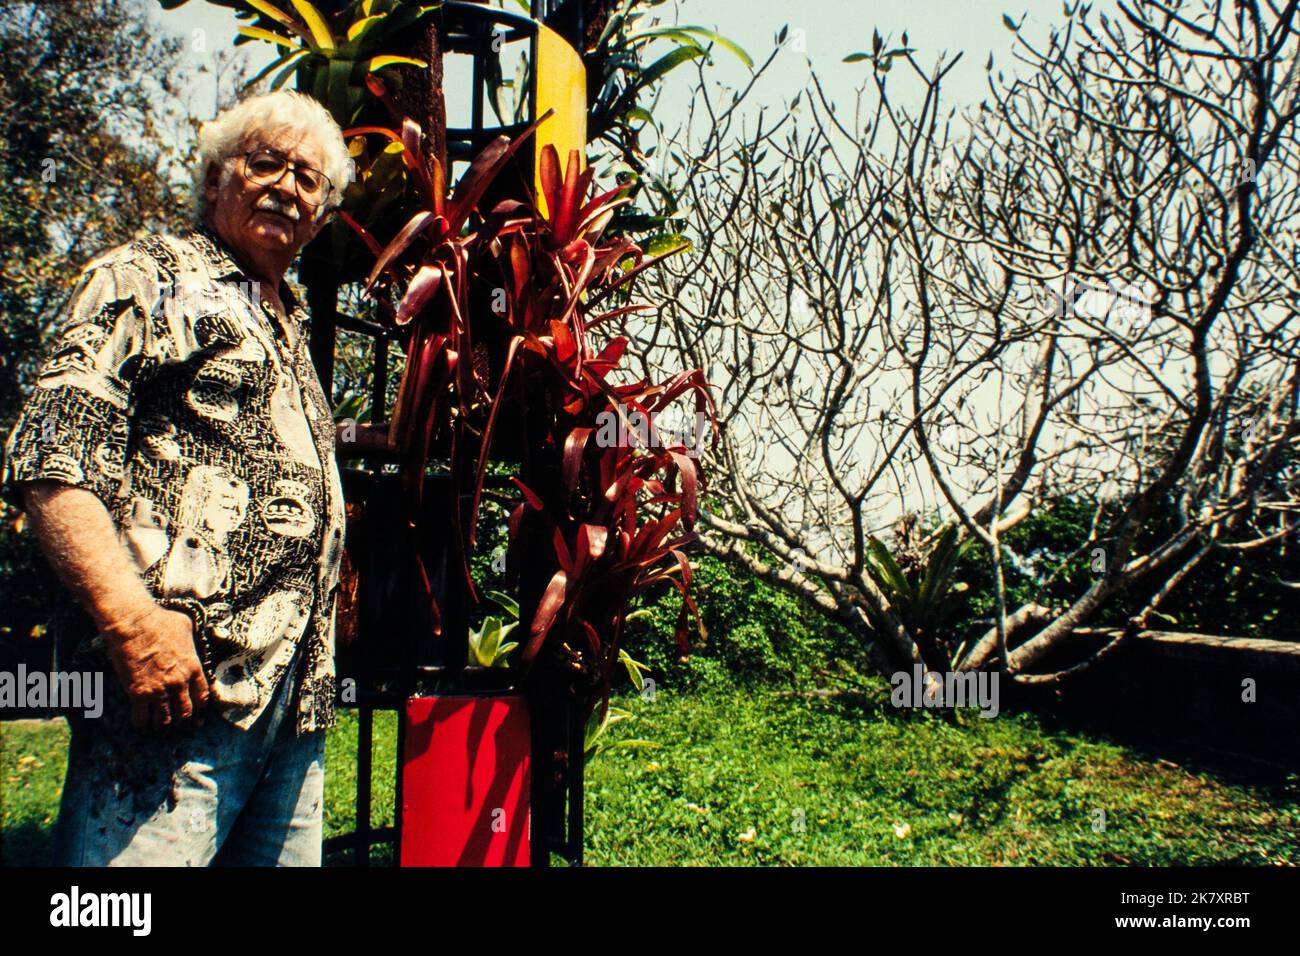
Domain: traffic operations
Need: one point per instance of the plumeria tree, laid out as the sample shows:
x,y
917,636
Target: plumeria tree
x,y
1084,285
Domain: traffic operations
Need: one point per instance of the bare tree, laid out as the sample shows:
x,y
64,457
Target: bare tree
x,y
1086,285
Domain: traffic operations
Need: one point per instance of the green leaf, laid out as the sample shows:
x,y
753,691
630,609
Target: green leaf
x,y
400,20
725,42
939,568
491,638
340,85
667,62
668,33
257,33
355,407
320,31
506,601
889,571
379,62
592,731
289,61
633,669
362,26
665,242
638,112
274,13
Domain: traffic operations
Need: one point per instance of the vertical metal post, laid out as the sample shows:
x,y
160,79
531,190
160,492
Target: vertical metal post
x,y
323,303
577,749
397,789
379,385
365,741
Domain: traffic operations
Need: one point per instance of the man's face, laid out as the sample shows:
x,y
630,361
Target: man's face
x,y
265,220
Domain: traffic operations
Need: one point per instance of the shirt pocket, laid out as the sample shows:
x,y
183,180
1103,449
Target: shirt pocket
x,y
224,371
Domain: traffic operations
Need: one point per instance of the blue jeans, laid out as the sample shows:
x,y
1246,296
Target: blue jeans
x,y
216,795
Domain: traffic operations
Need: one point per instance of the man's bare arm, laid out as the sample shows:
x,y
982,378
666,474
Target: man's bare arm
x,y
151,647
79,540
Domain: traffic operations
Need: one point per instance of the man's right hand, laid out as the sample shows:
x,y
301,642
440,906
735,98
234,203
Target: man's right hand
x,y
154,655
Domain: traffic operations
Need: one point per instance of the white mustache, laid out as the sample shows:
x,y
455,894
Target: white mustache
x,y
270,204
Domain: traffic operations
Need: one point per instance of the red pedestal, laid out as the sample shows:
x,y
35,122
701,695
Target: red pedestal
x,y
465,782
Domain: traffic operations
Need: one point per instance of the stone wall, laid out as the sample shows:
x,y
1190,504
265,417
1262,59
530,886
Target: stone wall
x,y
1191,691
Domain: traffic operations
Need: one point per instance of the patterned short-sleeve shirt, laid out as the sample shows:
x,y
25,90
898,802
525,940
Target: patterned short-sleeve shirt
x,y
173,394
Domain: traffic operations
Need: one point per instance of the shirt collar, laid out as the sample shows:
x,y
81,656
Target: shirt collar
x,y
222,259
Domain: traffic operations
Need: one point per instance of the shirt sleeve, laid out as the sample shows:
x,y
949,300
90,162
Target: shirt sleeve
x,y
75,424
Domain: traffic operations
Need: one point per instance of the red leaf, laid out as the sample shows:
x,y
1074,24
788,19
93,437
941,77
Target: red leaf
x,y
595,216
593,639
574,445
481,469
679,633
529,495
686,466
549,173
547,609
612,353
474,183
576,182
592,538
631,274
414,226
684,565
562,551
371,242
430,182
566,347
422,288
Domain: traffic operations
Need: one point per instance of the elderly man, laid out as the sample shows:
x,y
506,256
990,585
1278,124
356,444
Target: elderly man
x,y
176,460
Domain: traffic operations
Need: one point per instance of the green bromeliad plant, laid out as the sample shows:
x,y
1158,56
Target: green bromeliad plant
x,y
486,647
348,54
351,55
920,586
330,47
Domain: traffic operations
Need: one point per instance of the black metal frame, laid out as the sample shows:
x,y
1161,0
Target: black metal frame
x,y
557,725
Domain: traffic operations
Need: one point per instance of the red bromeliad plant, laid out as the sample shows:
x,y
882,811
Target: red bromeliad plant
x,y
599,521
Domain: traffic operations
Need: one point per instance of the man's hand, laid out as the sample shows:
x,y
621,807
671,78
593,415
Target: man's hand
x,y
154,655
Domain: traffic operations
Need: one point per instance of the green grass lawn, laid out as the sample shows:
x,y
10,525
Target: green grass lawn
x,y
741,778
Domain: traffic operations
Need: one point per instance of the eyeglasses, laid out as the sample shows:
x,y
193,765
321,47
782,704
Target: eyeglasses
x,y
265,167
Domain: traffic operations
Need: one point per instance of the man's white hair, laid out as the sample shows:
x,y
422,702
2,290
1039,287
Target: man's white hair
x,y
273,113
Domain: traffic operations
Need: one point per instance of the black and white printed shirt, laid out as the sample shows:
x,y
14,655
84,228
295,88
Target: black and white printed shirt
x,y
175,395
